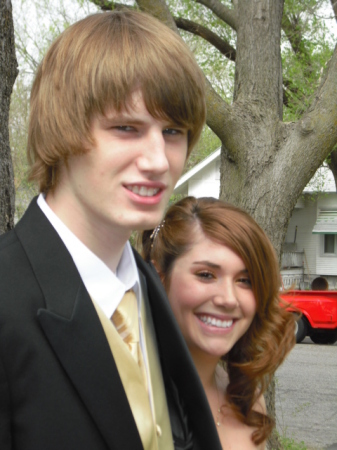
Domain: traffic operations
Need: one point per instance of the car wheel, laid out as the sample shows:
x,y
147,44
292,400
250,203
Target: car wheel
x,y
324,338
301,329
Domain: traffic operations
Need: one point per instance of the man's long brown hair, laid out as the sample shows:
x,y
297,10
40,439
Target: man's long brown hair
x,y
94,67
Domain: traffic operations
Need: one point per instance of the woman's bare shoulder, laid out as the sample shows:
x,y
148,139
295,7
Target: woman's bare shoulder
x,y
260,405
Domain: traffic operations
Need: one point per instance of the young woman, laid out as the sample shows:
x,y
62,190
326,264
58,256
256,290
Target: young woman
x,y
222,279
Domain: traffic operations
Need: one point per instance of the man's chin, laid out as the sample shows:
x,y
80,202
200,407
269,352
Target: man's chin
x,y
147,225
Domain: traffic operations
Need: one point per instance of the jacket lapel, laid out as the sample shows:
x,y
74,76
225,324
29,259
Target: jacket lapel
x,y
73,329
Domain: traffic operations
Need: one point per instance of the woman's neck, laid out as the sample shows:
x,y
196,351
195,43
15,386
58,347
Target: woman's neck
x,y
214,380
206,368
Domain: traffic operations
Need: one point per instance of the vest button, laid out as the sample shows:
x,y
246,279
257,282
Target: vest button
x,y
159,432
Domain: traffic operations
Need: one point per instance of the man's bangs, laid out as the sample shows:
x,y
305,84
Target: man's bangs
x,y
164,100
165,103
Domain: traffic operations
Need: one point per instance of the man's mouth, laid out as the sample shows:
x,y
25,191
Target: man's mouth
x,y
216,322
143,191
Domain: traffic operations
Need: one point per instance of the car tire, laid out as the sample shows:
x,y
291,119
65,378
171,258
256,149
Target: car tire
x,y
301,329
324,338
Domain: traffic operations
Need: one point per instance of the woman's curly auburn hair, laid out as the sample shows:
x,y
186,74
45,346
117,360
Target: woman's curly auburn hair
x,y
253,360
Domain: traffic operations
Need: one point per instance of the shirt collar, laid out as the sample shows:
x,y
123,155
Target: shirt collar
x,y
104,286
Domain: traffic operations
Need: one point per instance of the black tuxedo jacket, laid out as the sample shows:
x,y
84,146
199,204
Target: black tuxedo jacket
x,y
59,385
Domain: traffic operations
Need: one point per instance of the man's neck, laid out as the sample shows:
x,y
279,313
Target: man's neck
x,y
108,246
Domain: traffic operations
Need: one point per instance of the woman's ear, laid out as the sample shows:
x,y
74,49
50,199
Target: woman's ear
x,y
161,276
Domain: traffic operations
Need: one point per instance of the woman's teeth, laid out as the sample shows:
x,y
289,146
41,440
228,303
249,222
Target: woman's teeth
x,y
216,322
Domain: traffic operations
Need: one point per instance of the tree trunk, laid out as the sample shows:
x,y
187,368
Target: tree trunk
x,y
8,73
265,163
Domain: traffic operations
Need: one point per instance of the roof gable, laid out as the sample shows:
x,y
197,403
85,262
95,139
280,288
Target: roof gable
x,y
322,181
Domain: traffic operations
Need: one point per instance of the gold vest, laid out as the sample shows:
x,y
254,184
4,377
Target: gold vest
x,y
152,420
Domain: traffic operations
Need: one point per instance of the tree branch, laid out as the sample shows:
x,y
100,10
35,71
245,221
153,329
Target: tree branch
x,y
293,33
315,135
199,30
107,5
216,106
31,60
224,47
221,11
159,10
290,91
218,112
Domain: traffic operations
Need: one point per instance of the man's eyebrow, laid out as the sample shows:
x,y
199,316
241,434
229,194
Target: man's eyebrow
x,y
120,116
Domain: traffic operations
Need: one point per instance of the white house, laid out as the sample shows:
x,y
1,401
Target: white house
x,y
310,247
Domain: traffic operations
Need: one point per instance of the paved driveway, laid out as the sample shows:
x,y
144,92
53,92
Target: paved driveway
x,y
306,395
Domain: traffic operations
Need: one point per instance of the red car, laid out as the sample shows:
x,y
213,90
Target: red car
x,y
318,317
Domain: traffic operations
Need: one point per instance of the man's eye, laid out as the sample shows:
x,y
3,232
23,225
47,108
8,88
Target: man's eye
x,y
173,131
124,128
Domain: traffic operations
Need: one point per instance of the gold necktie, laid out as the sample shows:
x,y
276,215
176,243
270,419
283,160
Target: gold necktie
x,y
125,319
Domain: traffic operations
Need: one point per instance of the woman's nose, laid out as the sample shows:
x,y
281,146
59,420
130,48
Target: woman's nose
x,y
226,297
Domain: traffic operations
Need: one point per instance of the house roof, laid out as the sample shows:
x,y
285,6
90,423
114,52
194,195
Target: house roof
x,y
322,181
196,169
326,223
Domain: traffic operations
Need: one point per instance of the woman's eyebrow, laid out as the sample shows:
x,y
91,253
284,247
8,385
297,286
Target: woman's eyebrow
x,y
207,263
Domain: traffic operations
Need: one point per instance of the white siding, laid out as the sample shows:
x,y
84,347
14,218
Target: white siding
x,y
325,265
206,183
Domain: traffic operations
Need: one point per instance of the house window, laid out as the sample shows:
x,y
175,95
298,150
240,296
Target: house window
x,y
329,244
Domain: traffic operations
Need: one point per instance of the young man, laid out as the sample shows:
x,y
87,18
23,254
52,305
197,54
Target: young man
x,y
116,107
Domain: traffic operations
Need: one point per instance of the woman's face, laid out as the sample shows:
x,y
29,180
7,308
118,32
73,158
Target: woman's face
x,y
211,297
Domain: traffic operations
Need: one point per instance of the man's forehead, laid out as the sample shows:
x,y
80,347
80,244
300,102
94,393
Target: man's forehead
x,y
135,107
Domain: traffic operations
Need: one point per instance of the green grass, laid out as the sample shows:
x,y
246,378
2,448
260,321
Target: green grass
x,y
290,444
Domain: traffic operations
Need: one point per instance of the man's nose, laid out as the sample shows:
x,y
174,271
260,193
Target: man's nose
x,y
153,156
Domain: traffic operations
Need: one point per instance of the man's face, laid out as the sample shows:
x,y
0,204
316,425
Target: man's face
x,y
123,183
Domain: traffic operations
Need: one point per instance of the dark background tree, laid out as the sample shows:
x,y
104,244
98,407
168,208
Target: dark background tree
x,y
8,73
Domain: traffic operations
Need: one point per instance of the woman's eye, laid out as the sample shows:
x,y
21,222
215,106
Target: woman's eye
x,y
205,275
245,281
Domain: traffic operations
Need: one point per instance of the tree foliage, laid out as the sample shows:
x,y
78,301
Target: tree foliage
x,y
37,23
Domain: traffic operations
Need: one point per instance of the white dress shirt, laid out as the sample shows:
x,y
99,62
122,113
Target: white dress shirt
x,y
104,286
